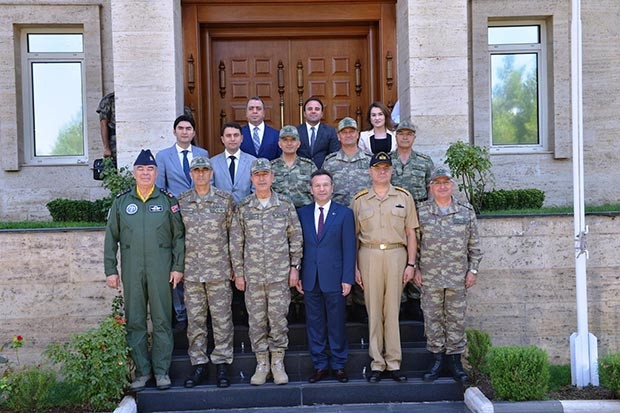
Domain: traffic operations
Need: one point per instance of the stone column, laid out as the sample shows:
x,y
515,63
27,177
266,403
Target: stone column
x,y
148,77
433,71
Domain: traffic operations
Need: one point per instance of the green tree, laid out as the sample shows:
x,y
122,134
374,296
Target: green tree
x,y
70,140
515,102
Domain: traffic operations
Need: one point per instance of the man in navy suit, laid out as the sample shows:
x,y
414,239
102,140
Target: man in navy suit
x,y
259,140
327,273
173,176
232,179
325,138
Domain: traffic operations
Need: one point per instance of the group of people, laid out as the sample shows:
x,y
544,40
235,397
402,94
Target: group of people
x,y
309,208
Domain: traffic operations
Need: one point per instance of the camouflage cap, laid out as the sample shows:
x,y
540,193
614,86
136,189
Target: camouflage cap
x,y
380,157
200,162
347,123
289,131
441,171
145,158
259,165
406,125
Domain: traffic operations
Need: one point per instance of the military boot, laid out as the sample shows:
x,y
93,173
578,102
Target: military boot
x,y
433,372
456,368
277,367
262,369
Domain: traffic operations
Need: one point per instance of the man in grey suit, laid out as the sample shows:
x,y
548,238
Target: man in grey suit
x,y
231,168
317,138
173,176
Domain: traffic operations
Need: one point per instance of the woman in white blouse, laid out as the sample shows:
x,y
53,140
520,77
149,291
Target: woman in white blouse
x,y
381,137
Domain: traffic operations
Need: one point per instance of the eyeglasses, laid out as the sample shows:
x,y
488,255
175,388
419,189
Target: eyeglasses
x,y
441,183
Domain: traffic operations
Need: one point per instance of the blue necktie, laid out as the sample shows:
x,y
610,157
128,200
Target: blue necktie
x,y
231,168
186,166
319,230
312,138
256,139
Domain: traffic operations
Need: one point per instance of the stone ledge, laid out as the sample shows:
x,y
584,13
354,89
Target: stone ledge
x,y
478,403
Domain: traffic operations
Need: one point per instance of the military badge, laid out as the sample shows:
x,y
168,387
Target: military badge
x,y
131,209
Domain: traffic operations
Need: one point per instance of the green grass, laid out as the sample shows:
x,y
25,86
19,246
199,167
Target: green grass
x,y
47,224
555,210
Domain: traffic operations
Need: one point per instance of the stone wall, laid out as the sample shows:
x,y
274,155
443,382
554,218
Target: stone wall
x,y
52,284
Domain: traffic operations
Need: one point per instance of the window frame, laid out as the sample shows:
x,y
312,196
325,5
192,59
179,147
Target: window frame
x,y
540,49
27,60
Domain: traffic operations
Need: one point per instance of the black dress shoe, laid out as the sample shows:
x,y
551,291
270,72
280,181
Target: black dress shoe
x,y
374,377
318,375
396,375
198,376
222,376
341,375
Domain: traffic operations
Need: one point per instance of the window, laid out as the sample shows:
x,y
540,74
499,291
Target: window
x,y
518,104
53,79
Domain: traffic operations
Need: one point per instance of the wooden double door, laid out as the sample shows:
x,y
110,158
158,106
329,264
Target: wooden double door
x,y
342,63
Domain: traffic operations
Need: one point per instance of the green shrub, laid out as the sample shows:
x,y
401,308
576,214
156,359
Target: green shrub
x,y
96,362
504,199
609,372
29,389
519,373
559,376
115,180
63,210
478,346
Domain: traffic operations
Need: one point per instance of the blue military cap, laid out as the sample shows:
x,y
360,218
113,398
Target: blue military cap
x,y
380,157
145,158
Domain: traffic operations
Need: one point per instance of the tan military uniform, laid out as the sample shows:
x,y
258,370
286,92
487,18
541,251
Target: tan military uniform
x,y
264,242
207,222
381,228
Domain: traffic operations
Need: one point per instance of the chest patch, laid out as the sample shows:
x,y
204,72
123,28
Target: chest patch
x,y
131,209
156,208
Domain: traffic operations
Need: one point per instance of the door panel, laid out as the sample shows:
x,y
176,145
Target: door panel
x,y
284,71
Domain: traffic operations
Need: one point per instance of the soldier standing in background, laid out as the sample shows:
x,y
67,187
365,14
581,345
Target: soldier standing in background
x,y
107,124
448,265
266,250
207,214
292,172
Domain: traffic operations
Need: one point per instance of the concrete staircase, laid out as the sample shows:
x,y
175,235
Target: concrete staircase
x,y
299,367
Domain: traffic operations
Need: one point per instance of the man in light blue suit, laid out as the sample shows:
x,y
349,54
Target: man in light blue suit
x,y
325,137
259,139
171,165
327,274
231,168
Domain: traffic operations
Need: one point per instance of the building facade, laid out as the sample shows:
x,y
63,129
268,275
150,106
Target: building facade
x,y
496,73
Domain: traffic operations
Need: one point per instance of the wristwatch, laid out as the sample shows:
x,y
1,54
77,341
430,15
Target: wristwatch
x,y
412,265
475,272
297,267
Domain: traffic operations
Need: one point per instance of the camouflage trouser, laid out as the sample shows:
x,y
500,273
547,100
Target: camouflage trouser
x,y
267,305
200,298
444,319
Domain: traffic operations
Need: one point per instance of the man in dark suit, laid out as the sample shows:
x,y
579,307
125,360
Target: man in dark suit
x,y
327,273
317,138
235,178
259,139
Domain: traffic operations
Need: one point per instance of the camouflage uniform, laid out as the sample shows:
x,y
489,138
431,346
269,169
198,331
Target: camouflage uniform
x,y
413,175
350,174
449,247
106,110
294,181
264,242
207,222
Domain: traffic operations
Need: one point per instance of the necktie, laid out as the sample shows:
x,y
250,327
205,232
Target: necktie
x,y
255,139
231,168
319,230
186,167
312,138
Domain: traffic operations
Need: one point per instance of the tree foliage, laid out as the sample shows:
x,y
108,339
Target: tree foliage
x,y
70,140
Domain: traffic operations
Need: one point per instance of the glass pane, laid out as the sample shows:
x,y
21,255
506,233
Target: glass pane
x,y
57,107
514,35
55,43
514,99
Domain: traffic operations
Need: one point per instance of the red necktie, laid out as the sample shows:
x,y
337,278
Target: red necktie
x,y
319,230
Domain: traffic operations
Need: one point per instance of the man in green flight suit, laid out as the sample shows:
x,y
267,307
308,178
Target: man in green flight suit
x,y
146,223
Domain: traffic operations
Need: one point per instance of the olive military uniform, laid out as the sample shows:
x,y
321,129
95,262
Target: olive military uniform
x,y
293,181
151,239
413,175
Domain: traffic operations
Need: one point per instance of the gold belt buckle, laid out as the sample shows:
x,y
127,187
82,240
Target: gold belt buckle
x,y
382,246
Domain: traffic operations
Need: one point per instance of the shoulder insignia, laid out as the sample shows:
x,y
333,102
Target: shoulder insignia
x,y
331,155
124,192
166,193
464,204
403,190
185,194
361,193
422,155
